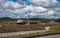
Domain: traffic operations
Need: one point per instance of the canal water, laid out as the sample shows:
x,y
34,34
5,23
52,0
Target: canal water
x,y
51,36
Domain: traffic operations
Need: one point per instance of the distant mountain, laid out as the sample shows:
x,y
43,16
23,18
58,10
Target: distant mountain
x,y
32,19
6,19
57,20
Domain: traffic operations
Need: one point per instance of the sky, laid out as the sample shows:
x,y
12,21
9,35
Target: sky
x,y
35,8
58,1
14,0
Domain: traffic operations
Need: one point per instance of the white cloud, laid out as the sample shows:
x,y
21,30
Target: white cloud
x,y
51,12
44,3
57,9
10,5
38,8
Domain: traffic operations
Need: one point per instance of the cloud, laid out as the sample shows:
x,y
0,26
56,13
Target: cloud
x,y
37,9
44,3
56,9
9,8
22,12
10,5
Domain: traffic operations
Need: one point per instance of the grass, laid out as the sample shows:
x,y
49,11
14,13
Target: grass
x,y
3,23
55,30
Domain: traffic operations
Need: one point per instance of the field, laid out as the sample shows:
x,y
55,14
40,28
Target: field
x,y
12,26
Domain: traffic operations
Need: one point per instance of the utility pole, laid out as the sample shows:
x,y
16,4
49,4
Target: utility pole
x,y
28,20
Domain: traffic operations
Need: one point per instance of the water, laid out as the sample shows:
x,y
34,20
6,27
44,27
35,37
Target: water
x,y
51,36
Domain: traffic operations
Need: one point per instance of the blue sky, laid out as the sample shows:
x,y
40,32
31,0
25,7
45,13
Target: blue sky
x,y
25,0
27,3
58,1
14,0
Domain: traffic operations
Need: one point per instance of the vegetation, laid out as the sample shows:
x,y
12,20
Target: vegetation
x,y
43,20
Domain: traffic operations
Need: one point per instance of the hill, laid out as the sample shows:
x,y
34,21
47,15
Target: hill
x,y
44,20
